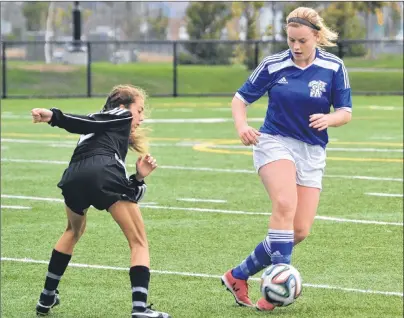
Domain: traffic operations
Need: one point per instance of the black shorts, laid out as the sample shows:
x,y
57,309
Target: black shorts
x,y
99,181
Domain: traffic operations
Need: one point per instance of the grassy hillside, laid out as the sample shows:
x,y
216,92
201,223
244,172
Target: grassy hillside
x,y
35,79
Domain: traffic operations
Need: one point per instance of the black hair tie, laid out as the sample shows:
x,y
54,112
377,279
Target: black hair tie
x,y
305,22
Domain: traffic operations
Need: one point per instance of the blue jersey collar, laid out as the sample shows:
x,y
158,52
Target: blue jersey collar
x,y
303,68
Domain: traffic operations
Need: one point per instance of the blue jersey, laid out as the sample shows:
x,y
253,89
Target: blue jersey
x,y
295,93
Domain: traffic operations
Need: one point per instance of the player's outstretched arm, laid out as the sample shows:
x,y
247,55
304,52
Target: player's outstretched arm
x,y
79,124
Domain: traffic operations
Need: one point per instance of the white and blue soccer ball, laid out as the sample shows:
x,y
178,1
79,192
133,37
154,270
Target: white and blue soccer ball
x,y
281,284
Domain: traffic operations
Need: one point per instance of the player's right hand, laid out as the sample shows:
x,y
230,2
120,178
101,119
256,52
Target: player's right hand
x,y
144,166
41,115
248,135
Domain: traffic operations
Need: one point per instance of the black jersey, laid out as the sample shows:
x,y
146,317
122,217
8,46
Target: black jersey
x,y
104,133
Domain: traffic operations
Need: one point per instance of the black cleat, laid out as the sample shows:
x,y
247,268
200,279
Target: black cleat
x,y
43,310
149,313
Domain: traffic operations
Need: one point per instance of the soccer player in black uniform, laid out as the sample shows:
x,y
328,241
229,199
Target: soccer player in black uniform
x,y
97,176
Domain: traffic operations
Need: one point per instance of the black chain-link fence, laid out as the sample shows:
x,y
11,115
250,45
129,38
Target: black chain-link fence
x,y
175,68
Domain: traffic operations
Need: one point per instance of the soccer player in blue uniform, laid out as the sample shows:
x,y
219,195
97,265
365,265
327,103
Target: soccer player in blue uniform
x,y
289,155
97,176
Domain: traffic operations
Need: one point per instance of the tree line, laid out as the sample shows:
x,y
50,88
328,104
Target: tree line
x,y
216,20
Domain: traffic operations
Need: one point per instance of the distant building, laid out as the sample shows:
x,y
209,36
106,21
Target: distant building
x,y
177,29
6,27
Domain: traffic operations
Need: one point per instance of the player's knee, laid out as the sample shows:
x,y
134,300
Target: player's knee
x,y
76,232
300,234
284,205
283,209
82,229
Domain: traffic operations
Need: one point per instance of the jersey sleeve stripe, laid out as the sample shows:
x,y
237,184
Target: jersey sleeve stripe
x,y
238,95
325,53
344,71
335,58
269,59
265,61
116,111
347,109
122,111
280,65
98,121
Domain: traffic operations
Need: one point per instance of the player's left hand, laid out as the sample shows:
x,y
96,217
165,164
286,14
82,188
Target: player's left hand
x,y
319,121
144,166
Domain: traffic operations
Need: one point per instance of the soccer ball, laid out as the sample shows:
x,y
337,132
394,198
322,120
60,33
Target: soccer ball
x,y
281,284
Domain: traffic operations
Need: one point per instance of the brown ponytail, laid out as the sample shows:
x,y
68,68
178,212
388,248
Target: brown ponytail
x,y
126,95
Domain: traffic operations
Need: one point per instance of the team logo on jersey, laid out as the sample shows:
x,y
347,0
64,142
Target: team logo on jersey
x,y
317,88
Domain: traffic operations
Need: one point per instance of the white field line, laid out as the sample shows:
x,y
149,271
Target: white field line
x,y
201,200
207,210
165,120
70,144
397,195
190,274
324,218
328,148
15,207
23,197
33,141
398,138
55,162
375,107
364,178
204,169
61,146
253,172
12,116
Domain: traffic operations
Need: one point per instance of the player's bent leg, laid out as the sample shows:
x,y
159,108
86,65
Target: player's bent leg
x,y
308,198
279,179
61,255
76,225
309,175
128,216
307,203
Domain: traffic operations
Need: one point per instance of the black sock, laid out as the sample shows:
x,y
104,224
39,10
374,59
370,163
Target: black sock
x,y
57,266
139,278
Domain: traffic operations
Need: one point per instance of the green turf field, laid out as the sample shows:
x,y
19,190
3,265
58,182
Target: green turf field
x,y
35,78
352,263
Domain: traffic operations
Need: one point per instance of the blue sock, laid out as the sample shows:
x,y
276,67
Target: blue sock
x,y
256,261
281,245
